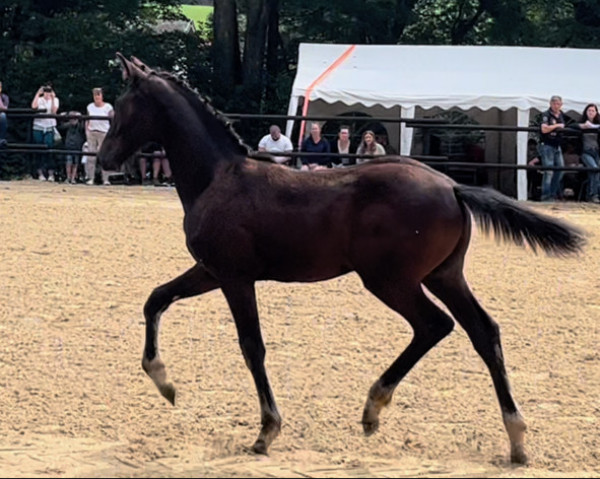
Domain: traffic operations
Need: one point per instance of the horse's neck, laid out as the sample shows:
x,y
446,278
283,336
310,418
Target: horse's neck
x,y
197,143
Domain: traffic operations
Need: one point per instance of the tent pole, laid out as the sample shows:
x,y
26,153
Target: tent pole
x,y
293,106
522,121
406,134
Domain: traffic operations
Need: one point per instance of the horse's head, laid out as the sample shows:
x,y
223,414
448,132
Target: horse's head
x,y
135,119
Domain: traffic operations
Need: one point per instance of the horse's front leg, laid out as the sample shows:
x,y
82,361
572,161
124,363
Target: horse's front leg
x,y
241,298
193,282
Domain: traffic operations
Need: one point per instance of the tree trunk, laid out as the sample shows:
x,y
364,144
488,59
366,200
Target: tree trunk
x,y
402,17
463,26
273,49
273,37
226,47
254,49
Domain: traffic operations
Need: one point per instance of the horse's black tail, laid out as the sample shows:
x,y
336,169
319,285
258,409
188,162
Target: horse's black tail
x,y
512,221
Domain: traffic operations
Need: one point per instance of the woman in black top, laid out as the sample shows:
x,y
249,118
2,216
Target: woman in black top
x,y
315,143
590,128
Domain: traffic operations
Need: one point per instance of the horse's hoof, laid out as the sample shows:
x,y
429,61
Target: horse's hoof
x,y
260,447
168,392
370,419
519,457
370,427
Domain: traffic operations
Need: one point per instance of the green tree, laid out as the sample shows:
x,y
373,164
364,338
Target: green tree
x,y
72,44
249,61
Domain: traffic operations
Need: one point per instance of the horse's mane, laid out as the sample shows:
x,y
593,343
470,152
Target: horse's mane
x,y
199,100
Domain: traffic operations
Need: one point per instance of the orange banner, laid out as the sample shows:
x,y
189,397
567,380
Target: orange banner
x,y
342,58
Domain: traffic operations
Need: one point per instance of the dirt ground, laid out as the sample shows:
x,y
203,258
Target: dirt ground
x,y
77,264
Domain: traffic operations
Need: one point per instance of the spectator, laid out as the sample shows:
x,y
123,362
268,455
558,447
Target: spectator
x,y
368,146
46,101
4,101
590,128
342,144
95,130
572,180
158,162
275,142
131,169
85,148
74,140
384,141
553,122
534,177
315,143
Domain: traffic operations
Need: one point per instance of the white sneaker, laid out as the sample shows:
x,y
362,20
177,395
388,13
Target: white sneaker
x,y
51,178
106,183
42,178
89,182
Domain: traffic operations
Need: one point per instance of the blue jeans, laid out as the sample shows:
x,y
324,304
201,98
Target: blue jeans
x,y
44,161
552,179
591,158
3,125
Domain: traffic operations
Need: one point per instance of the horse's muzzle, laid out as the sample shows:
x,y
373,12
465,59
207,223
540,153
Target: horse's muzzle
x,y
106,160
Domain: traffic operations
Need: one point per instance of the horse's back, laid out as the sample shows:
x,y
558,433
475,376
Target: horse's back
x,y
405,216
380,216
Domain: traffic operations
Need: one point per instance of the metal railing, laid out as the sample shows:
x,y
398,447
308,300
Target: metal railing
x,y
30,148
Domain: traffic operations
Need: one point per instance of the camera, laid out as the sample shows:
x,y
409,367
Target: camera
x,y
46,88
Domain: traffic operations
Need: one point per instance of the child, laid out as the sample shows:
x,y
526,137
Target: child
x,y
74,139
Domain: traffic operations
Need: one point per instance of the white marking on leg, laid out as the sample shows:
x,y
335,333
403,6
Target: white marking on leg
x,y
516,427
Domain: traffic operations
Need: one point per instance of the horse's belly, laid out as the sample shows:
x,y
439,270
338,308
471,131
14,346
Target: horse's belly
x,y
305,265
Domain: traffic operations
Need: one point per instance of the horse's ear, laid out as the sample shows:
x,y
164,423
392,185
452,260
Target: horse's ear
x,y
126,64
140,64
130,70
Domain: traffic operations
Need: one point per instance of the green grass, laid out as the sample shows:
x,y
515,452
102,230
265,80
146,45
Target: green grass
x,y
197,13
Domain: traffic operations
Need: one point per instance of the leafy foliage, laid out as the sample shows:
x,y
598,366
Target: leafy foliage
x,y
72,43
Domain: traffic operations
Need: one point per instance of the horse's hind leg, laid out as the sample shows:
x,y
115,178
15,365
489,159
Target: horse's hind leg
x,y
450,286
430,325
241,298
193,282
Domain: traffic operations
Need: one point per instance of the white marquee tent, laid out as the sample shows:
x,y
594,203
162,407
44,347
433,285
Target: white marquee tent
x,y
409,76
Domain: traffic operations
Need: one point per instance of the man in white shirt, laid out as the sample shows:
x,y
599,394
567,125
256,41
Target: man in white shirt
x,y
95,131
275,142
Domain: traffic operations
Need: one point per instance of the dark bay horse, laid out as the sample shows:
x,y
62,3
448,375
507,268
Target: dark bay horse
x,y
400,225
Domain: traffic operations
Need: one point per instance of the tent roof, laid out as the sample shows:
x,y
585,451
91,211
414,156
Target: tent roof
x,y
447,76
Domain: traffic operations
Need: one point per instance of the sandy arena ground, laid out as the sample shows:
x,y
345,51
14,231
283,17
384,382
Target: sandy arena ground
x,y
77,264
